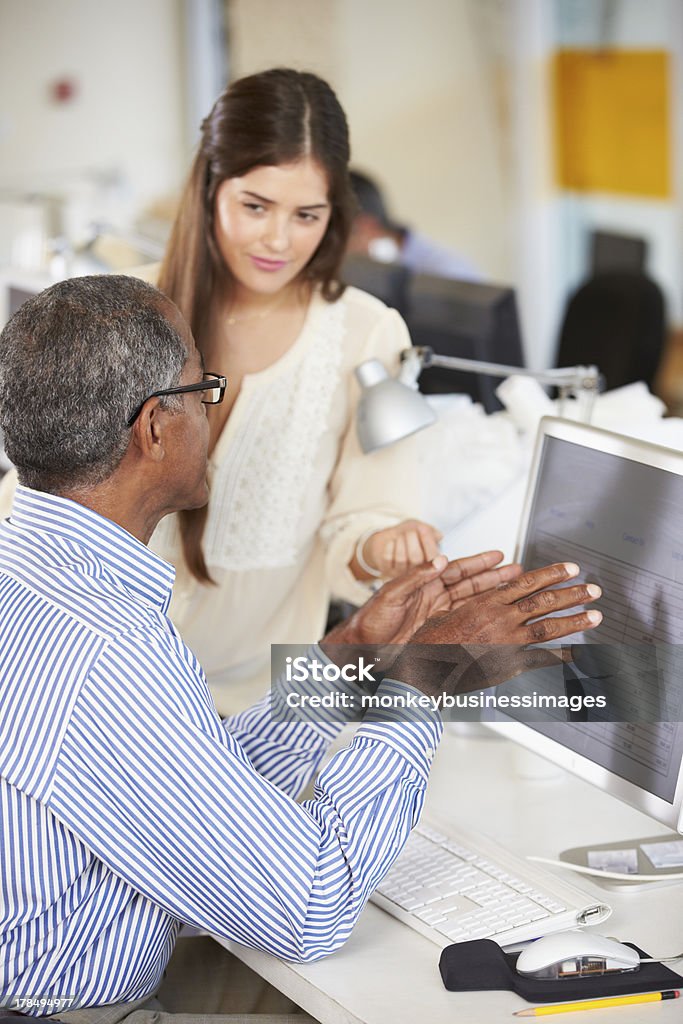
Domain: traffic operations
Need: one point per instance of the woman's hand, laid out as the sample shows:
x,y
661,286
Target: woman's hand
x,y
391,551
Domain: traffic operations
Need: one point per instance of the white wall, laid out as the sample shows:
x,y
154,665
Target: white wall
x,y
126,121
419,91
534,200
300,34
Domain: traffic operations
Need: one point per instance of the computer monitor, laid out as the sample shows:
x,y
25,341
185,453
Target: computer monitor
x,y
16,286
466,319
614,505
386,281
611,251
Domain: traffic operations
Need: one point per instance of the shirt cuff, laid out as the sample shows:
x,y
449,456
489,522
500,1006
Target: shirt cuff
x,y
405,719
317,701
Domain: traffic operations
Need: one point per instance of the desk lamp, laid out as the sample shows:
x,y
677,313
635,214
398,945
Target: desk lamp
x,y
391,409
388,409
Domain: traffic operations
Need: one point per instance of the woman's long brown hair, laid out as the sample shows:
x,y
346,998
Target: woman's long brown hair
x,y
271,118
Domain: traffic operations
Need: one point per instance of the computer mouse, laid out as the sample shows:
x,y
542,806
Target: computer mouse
x,y
575,954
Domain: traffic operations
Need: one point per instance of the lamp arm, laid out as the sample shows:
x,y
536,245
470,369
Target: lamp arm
x,y
586,378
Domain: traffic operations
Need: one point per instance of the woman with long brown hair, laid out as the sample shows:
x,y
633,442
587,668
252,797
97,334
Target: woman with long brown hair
x,y
296,512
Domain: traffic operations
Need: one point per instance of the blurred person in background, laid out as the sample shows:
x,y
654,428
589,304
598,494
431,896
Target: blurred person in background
x,y
375,234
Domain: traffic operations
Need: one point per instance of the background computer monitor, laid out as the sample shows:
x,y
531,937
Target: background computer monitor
x,y
610,251
16,286
454,318
466,319
386,281
614,505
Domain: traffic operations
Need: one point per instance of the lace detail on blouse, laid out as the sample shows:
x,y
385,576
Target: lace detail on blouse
x,y
258,492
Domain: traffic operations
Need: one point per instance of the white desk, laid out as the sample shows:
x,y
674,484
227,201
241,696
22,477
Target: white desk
x,y
387,973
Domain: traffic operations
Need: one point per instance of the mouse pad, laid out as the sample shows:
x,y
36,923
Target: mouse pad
x,y
481,964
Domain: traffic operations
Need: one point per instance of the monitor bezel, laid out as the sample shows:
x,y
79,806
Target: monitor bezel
x,y
472,319
659,457
32,281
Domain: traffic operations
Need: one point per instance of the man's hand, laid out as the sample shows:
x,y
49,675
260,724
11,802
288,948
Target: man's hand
x,y
463,578
403,605
484,640
517,612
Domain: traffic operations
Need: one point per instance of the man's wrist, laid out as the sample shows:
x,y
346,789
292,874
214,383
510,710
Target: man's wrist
x,y
433,668
344,635
406,720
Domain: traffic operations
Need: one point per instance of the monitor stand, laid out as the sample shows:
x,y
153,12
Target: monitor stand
x,y
628,856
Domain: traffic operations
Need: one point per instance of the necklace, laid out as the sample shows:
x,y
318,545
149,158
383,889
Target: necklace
x,y
260,315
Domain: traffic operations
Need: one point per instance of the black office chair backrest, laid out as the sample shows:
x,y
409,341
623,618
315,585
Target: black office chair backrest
x,y
616,321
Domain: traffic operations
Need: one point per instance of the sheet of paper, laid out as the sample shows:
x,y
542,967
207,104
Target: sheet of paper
x,y
664,855
623,861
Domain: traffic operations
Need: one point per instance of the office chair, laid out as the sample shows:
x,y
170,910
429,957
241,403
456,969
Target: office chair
x,y
615,320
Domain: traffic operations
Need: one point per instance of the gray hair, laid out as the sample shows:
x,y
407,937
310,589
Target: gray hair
x,y
75,363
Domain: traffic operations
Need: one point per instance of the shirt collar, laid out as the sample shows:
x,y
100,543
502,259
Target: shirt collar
x,y
142,572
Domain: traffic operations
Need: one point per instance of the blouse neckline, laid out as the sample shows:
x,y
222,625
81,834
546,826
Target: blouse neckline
x,y
307,334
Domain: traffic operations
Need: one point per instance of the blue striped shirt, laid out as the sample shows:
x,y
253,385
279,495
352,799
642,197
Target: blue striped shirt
x,y
127,807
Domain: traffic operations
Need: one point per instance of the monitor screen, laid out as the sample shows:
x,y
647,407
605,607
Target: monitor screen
x,y
615,506
469,320
611,251
386,281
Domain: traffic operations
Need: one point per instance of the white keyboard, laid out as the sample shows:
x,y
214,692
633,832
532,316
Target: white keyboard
x,y
451,889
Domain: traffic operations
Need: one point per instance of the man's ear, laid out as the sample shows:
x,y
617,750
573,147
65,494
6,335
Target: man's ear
x,y
149,431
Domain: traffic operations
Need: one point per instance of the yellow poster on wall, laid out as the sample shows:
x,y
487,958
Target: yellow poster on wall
x,y
612,121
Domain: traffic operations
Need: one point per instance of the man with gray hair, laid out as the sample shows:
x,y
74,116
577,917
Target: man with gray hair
x,y
131,807
62,403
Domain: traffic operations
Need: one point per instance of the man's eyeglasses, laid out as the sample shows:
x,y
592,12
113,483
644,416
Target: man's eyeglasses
x,y
212,384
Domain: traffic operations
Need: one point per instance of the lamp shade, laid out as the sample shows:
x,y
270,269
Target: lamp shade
x,y
387,410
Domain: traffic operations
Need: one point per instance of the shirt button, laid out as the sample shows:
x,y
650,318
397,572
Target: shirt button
x,y
430,753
